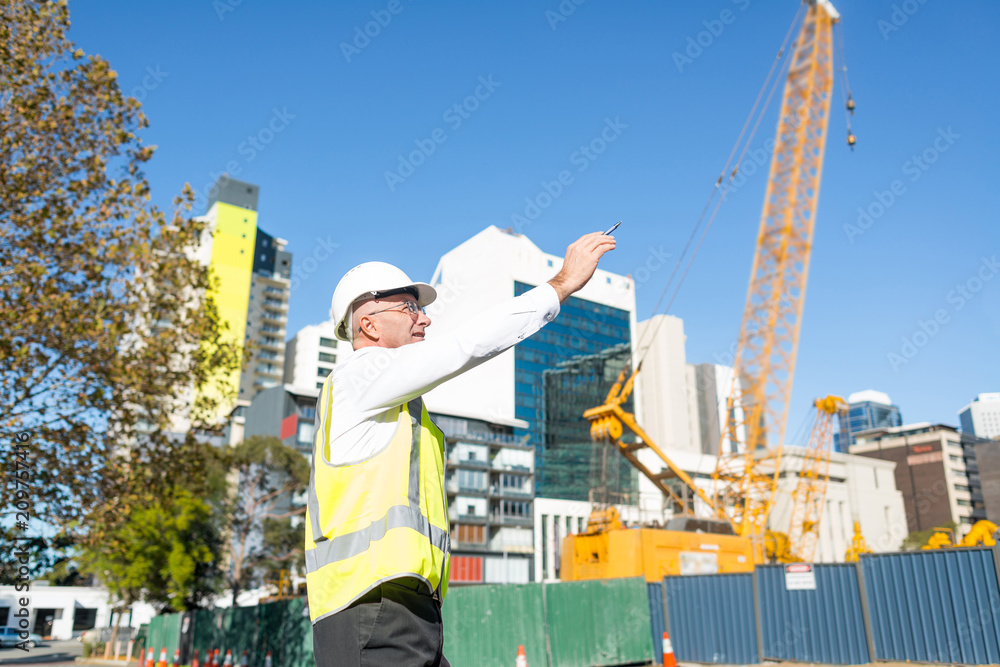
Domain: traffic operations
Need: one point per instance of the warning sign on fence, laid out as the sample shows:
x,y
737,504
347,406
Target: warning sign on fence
x,y
800,577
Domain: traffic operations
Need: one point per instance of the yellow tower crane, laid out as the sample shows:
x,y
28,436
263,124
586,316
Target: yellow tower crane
x,y
746,476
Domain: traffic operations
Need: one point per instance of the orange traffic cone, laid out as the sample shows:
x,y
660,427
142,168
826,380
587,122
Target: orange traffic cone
x,y
163,658
668,652
267,660
245,660
194,660
177,658
215,658
522,658
149,657
229,658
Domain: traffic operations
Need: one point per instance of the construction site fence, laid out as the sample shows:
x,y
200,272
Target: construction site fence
x,y
560,624
931,606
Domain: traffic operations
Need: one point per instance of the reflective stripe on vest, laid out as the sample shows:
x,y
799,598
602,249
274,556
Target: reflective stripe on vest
x,y
399,539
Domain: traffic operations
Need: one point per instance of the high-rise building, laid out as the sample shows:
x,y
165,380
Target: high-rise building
x,y
988,460
253,271
981,417
663,383
494,266
489,481
312,353
867,410
708,389
936,469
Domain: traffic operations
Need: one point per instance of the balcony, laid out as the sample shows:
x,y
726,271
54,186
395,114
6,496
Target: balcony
x,y
453,487
508,492
506,467
270,371
274,304
468,463
492,439
510,520
266,316
471,518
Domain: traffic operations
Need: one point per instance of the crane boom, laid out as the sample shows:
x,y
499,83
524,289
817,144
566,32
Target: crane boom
x,y
746,478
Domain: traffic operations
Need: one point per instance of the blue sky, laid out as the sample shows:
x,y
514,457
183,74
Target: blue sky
x,y
919,281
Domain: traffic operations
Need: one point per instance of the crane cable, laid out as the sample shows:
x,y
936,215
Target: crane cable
x,y
721,180
845,85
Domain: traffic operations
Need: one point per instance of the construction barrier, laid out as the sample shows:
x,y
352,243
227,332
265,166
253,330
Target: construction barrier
x,y
711,618
934,606
940,605
929,606
825,625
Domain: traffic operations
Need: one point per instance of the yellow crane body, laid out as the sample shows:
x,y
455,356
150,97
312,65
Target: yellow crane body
x,y
652,553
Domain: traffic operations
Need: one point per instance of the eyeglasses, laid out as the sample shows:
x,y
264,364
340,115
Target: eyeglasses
x,y
411,307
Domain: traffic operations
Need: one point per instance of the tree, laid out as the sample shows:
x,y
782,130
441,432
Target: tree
x,y
916,540
108,317
161,543
267,474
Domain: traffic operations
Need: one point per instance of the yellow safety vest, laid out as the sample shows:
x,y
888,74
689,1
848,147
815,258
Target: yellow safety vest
x,y
377,519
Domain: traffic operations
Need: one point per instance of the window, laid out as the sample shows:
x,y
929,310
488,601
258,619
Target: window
x,y
469,534
961,487
306,432
323,372
326,356
319,385
964,503
327,342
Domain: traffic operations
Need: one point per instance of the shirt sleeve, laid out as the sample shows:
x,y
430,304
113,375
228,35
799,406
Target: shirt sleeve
x,y
380,378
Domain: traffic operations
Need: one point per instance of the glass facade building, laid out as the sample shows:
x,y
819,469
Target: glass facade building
x,y
553,359
863,416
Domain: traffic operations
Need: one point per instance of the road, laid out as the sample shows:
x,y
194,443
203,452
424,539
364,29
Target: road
x,y
51,653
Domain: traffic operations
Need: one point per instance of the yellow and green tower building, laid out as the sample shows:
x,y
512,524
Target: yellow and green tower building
x,y
253,273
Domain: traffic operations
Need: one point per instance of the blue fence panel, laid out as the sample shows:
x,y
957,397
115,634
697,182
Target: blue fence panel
x,y
935,606
712,618
657,619
825,625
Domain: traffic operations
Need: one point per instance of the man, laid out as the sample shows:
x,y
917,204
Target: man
x,y
377,539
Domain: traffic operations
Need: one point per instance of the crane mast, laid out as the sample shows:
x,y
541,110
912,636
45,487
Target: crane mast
x,y
757,408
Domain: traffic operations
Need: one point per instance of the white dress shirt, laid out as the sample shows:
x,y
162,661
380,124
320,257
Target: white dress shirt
x,y
360,401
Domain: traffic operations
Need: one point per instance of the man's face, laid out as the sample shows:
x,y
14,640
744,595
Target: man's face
x,y
387,321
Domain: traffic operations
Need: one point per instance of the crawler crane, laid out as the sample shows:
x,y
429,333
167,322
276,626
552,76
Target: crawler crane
x,y
746,476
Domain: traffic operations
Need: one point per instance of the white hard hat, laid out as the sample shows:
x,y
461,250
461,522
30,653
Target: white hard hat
x,y
370,280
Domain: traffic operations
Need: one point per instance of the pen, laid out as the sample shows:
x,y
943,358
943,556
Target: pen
x,y
613,228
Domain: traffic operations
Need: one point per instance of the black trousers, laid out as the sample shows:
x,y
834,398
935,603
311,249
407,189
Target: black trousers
x,y
397,624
